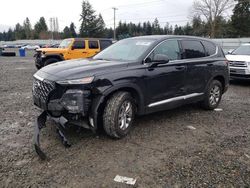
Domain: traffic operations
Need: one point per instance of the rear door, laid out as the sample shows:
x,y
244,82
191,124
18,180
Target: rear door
x,y
193,52
93,48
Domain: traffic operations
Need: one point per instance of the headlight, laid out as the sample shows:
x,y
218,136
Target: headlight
x,y
72,100
86,80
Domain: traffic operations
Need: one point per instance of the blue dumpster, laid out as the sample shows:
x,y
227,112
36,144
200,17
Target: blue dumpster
x,y
22,52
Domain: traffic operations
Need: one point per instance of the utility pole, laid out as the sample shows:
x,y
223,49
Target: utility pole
x,y
115,9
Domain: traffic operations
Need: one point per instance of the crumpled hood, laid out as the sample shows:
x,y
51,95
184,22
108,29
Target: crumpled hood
x,y
244,58
79,68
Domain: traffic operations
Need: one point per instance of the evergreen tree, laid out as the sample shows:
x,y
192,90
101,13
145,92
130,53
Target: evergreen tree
x,y
99,26
187,29
66,32
41,29
88,19
148,28
19,32
198,26
241,18
27,28
156,27
72,30
10,36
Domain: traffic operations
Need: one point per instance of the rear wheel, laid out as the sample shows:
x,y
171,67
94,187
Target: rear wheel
x,y
213,95
50,61
119,114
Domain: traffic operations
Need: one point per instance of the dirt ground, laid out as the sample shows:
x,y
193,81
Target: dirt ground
x,y
161,151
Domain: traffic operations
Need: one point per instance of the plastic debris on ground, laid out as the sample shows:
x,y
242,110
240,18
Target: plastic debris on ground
x,y
191,127
218,109
126,180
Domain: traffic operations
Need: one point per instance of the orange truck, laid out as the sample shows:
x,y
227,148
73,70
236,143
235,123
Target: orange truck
x,y
72,48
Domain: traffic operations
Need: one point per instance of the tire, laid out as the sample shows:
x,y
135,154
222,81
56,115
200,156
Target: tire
x,y
50,61
213,95
117,119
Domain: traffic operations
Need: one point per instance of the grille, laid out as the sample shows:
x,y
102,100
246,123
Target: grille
x,y
42,89
237,64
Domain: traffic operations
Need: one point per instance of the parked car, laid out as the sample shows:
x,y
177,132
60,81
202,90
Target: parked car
x,y
50,46
73,48
31,47
239,61
135,76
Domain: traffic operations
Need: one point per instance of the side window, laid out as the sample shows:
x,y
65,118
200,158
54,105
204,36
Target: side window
x,y
93,44
192,49
79,45
210,48
169,48
105,43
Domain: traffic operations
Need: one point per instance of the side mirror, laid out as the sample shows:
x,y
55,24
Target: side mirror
x,y
72,47
230,52
160,59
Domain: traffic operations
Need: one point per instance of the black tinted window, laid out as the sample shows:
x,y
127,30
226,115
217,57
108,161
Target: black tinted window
x,y
192,49
93,44
79,45
210,48
169,48
105,43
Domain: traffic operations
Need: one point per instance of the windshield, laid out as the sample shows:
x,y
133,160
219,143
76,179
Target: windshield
x,y
65,43
125,50
242,50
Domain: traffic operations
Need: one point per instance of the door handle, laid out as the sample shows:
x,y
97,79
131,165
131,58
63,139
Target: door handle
x,y
180,67
84,52
210,64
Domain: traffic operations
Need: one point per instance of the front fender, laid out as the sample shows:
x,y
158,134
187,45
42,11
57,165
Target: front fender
x,y
58,56
100,99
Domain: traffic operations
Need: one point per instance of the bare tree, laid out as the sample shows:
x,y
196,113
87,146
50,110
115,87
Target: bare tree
x,y
211,10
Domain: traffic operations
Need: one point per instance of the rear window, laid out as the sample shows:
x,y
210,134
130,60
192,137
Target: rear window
x,y
105,43
192,49
93,44
210,48
79,45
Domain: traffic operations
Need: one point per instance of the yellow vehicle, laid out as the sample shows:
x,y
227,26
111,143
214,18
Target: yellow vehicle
x,y
73,48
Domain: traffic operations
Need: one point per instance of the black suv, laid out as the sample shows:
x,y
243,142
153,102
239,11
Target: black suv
x,y
135,76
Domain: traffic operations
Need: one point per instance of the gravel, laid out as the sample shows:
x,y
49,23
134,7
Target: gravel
x,y
161,150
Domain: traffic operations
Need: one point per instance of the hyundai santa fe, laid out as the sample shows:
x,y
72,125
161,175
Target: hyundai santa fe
x,y
135,76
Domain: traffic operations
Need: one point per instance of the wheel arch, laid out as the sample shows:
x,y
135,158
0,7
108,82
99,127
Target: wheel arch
x,y
222,80
56,56
100,101
132,89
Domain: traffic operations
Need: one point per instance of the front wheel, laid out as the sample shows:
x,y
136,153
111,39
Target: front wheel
x,y
119,114
213,95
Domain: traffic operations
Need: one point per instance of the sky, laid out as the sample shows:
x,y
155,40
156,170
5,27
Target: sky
x,y
174,12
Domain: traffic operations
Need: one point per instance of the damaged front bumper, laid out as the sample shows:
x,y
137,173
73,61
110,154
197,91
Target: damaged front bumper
x,y
40,123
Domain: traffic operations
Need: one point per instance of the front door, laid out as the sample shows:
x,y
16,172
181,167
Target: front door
x,y
165,81
78,50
